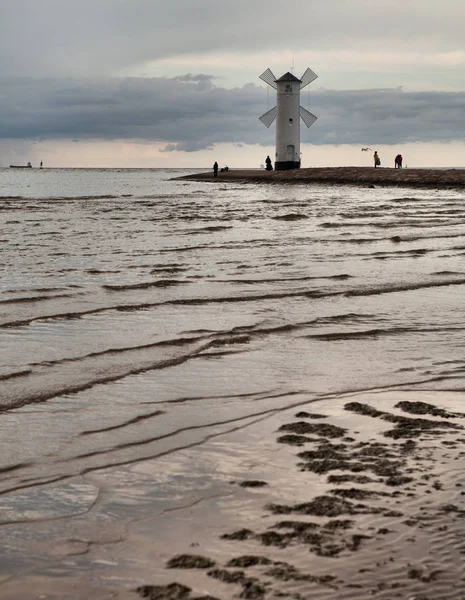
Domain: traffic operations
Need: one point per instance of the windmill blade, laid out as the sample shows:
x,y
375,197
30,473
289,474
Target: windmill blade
x,y
307,78
269,78
307,117
268,117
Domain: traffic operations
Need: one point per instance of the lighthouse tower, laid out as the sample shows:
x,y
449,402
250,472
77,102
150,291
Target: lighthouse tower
x,y
288,113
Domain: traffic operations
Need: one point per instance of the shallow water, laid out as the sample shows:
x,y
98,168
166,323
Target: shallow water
x,y
140,316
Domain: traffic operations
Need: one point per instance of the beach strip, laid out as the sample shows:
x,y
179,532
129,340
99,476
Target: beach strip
x,y
362,176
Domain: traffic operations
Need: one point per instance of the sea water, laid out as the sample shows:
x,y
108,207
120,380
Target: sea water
x,y
142,315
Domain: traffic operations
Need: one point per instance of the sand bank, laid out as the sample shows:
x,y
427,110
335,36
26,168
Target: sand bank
x,y
365,176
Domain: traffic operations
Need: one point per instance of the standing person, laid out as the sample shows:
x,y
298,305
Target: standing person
x,y
399,162
376,159
269,167
215,169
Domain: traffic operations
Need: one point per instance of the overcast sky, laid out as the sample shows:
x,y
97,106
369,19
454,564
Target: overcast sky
x,y
156,83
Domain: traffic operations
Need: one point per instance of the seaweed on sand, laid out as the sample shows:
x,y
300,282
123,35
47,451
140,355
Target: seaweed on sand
x,y
405,427
286,572
252,483
240,534
305,415
251,588
172,591
321,429
423,408
294,440
190,561
248,561
322,506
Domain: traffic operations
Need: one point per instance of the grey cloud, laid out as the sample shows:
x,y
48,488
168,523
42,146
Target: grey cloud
x,y
190,113
388,116
99,37
189,77
169,148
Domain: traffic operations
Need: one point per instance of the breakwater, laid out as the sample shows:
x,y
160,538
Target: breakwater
x,y
365,176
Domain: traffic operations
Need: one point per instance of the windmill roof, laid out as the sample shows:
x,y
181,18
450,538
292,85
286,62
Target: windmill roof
x,y
288,77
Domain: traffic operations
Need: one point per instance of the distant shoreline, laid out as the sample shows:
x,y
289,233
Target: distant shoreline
x,y
362,176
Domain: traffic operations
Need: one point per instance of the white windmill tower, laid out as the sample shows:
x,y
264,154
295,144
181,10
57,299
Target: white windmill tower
x,y
287,112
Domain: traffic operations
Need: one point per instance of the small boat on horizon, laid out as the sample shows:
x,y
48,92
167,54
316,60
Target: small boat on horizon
x,y
28,166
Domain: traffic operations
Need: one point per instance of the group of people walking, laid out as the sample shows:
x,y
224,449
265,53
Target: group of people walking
x,y
397,161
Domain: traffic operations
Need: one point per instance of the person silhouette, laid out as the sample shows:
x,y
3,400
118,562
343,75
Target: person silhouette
x,y
269,166
215,169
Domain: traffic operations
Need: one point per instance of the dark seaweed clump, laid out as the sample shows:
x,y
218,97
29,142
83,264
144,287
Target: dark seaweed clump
x,y
227,576
298,526
396,480
295,440
349,479
190,561
326,450
253,483
251,588
423,408
321,429
241,534
357,494
364,457
405,427
306,415
172,591
286,572
338,524
248,561
322,506
327,540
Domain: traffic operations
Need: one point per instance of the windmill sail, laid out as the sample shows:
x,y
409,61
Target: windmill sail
x,y
307,117
269,78
269,117
307,78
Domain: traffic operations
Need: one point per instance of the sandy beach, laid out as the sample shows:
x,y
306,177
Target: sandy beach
x,y
361,502
351,497
230,391
364,176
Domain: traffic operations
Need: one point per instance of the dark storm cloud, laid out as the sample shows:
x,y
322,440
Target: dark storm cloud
x,y
388,116
99,37
191,113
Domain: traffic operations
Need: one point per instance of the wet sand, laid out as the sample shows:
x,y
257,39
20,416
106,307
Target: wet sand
x,y
179,368
373,507
353,497
364,176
